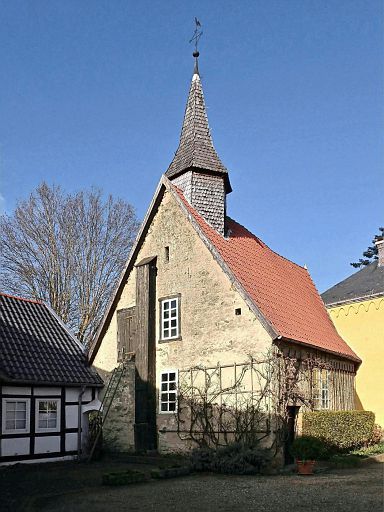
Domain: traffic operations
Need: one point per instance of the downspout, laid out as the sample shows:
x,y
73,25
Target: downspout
x,y
80,400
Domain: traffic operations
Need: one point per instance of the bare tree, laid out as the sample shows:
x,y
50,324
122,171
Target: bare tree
x,y
68,250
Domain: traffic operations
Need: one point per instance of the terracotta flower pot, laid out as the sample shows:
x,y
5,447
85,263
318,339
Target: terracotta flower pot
x,y
305,467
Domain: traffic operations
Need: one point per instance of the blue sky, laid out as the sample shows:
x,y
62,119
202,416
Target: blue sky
x,y
92,93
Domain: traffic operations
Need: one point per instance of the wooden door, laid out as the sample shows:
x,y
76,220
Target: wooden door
x,y
292,412
126,332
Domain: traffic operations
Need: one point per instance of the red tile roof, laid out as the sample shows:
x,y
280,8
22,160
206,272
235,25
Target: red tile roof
x,y
283,291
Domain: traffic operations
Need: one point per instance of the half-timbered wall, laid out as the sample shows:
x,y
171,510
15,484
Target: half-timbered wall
x,y
33,443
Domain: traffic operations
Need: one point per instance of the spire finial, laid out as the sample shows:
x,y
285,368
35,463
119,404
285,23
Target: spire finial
x,y
196,37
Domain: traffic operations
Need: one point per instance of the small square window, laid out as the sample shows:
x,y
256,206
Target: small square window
x,y
238,311
168,395
15,415
47,415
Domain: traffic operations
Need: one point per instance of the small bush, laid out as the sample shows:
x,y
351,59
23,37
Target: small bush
x,y
235,459
377,435
307,448
340,430
202,458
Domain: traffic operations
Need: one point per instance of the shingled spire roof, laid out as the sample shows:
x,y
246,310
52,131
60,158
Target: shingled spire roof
x,y
196,150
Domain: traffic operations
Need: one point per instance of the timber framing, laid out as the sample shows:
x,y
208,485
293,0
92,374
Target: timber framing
x,y
300,345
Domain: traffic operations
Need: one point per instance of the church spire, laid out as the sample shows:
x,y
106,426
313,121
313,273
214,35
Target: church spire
x,y
196,167
196,149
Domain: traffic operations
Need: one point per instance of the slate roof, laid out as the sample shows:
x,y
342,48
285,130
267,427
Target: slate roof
x,y
35,346
196,148
367,282
283,291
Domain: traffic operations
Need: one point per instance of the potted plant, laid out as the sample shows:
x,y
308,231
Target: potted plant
x,y
306,451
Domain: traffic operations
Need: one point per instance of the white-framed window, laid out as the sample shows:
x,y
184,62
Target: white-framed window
x,y
170,318
16,413
322,389
47,415
168,391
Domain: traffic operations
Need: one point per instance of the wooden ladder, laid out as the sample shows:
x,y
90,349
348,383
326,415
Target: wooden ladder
x,y
106,403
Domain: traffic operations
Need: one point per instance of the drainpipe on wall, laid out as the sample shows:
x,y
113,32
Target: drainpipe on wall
x,y
79,422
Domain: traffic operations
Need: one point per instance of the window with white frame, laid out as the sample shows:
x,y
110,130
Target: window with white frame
x,y
322,389
168,391
15,415
47,415
170,318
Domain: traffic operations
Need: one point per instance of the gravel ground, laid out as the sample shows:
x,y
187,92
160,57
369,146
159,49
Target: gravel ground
x,y
359,489
21,484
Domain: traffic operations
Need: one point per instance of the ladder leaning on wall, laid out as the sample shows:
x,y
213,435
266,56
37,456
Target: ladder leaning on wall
x,y
106,403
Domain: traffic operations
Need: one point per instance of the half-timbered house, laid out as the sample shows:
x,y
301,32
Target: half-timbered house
x,y
47,388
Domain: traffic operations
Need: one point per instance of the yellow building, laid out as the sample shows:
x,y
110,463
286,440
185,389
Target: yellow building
x,y
356,306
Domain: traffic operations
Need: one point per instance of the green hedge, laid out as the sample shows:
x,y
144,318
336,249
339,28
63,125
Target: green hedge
x,y
343,430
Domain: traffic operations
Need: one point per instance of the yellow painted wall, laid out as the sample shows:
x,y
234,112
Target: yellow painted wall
x,y
361,324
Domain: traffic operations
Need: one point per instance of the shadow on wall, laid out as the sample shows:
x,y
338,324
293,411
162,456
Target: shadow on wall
x,y
358,404
130,424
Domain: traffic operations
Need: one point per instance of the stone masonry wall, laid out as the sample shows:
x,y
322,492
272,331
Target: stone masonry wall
x,y
211,331
118,430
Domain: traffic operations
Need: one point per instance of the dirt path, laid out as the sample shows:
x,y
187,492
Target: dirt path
x,y
354,490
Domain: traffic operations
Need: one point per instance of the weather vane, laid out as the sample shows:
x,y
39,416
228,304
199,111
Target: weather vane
x,y
195,38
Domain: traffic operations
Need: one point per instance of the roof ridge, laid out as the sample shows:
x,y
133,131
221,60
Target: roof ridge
x,y
34,301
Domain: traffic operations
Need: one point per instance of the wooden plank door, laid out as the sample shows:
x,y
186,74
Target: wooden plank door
x,y
126,332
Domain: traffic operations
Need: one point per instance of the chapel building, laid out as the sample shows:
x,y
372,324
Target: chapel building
x,y
202,299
